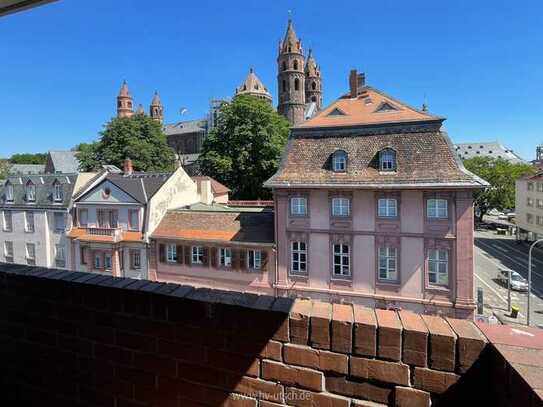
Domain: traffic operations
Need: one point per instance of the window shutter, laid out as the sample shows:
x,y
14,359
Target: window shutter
x,y
205,257
242,259
186,254
264,260
179,251
214,257
161,255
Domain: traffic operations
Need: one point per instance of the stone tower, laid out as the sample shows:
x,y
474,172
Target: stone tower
x,y
124,102
291,77
313,89
155,110
253,86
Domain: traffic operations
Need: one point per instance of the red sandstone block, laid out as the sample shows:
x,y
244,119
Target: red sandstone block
x,y
415,339
270,404
294,376
272,350
321,315
299,321
260,389
365,331
470,342
333,362
442,343
135,376
237,400
160,365
113,354
408,397
342,328
301,355
387,372
304,398
433,381
187,352
389,335
136,342
233,362
366,403
364,390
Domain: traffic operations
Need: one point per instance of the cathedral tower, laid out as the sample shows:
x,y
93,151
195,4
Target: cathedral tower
x,y
313,89
155,110
124,102
291,77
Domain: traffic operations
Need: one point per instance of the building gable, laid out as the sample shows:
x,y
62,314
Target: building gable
x,y
106,192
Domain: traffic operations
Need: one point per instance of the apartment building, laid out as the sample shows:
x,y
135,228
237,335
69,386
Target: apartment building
x,y
529,206
35,213
373,206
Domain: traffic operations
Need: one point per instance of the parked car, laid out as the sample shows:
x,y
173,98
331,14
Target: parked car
x,y
518,283
494,212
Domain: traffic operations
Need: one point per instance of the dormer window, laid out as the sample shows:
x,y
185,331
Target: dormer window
x,y
339,161
9,192
57,191
30,192
386,107
387,160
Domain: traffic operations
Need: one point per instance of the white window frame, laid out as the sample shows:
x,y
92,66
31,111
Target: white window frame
x,y
29,221
108,261
80,216
60,255
30,191
529,202
58,192
254,259
171,253
136,258
30,253
298,257
341,207
339,161
387,208
9,251
225,257
341,261
7,225
97,264
298,206
136,214
438,267
437,208
9,192
530,186
388,264
57,215
387,160
197,255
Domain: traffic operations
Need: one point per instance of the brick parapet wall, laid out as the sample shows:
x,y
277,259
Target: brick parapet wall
x,y
70,338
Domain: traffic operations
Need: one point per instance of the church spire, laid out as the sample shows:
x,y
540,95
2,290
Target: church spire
x,y
155,110
124,102
291,43
313,81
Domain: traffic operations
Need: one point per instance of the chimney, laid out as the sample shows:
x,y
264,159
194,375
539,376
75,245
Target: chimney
x,y
356,82
127,168
206,194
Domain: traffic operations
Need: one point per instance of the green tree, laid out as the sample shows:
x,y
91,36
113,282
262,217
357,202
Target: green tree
x,y
28,158
501,175
4,169
139,138
244,149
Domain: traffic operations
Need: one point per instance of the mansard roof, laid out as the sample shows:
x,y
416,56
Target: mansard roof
x,y
44,191
367,109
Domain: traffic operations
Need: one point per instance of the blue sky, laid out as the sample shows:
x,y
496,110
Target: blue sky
x,y
479,63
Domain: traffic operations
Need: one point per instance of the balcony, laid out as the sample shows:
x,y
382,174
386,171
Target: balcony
x,y
106,235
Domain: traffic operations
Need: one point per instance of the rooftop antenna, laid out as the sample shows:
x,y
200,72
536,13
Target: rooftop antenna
x,y
425,104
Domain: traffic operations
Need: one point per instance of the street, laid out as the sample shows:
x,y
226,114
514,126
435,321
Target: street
x,y
493,251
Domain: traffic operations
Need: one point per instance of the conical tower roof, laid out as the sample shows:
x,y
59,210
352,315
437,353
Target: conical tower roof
x,y
156,100
311,67
124,90
140,109
291,40
252,85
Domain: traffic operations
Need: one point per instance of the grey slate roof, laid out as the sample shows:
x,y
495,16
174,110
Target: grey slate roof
x,y
64,161
492,149
25,169
44,191
191,126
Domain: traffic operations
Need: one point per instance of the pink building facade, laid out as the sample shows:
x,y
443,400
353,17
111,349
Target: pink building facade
x,y
373,207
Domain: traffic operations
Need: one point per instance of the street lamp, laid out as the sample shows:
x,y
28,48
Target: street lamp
x,y
530,277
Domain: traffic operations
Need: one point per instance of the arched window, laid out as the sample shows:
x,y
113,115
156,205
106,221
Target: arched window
x,y
295,65
387,160
284,66
313,85
296,84
30,191
284,85
339,161
129,105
